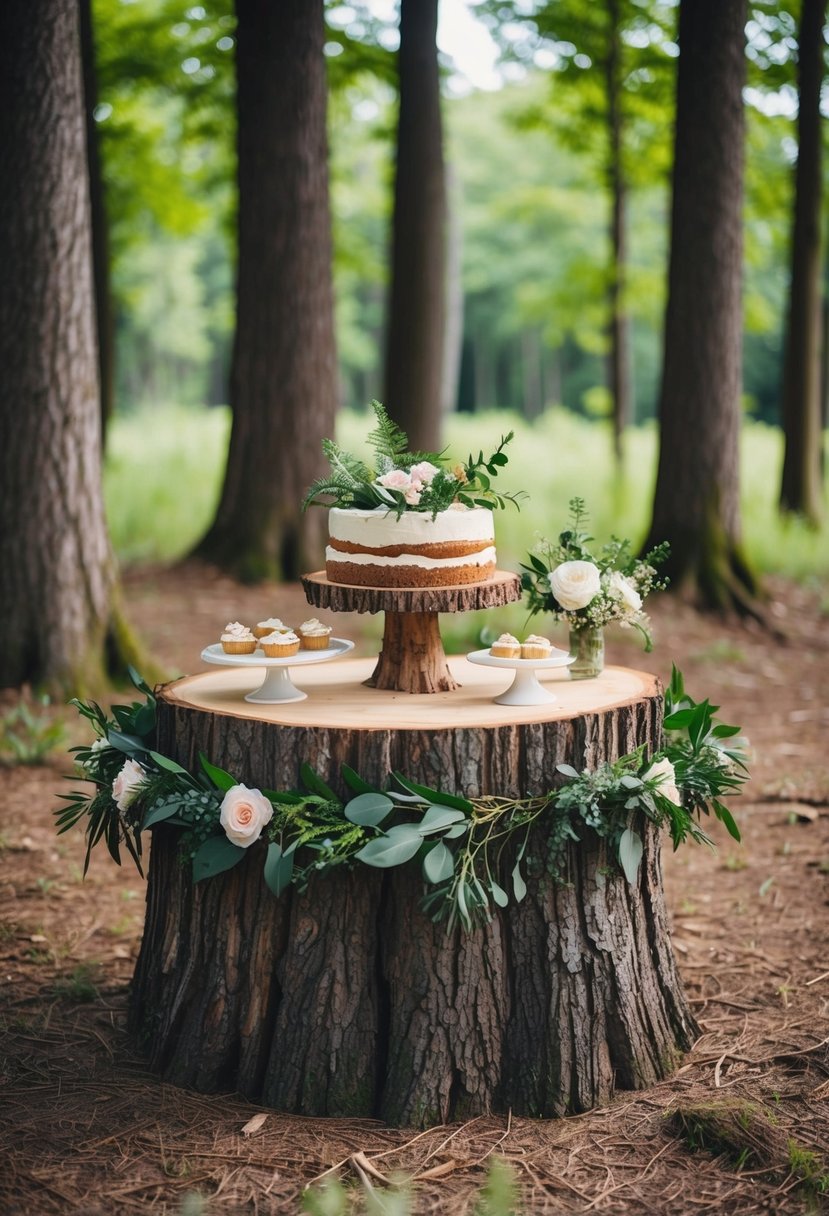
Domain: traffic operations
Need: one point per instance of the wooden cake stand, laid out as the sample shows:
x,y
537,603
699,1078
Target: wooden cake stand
x,y
412,658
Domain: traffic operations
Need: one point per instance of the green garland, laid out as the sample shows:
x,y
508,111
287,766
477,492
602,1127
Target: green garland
x,y
460,843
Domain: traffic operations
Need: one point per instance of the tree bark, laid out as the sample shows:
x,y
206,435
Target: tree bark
x,y
417,296
696,501
104,326
57,576
801,489
347,1000
283,383
620,358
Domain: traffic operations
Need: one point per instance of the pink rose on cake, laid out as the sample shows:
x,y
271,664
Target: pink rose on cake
x,y
395,479
424,472
243,814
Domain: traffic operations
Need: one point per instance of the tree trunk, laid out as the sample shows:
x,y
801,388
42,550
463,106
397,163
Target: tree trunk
x,y
619,325
56,571
104,326
696,501
417,296
283,382
346,999
801,489
453,336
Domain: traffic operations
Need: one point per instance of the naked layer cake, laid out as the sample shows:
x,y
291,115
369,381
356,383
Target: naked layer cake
x,y
378,549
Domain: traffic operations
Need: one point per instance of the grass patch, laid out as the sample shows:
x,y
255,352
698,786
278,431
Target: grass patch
x,y
28,733
746,1135
164,468
80,986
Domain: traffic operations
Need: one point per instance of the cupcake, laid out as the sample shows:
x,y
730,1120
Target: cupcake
x,y
272,625
313,635
507,647
280,645
237,639
535,647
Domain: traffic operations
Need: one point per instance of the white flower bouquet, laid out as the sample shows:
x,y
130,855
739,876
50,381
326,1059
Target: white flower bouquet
x,y
589,591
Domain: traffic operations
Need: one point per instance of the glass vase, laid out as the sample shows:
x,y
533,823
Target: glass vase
x,y
587,645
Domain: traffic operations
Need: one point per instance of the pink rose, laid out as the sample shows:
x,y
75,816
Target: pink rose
x,y
412,495
128,784
423,472
395,479
243,814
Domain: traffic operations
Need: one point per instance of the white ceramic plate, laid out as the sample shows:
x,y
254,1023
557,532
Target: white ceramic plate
x,y
276,686
525,688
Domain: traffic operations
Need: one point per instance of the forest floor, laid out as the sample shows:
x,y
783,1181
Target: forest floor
x,y
742,1128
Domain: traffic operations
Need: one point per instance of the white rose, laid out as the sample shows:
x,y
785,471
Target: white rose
x,y
575,584
622,589
664,770
243,815
91,764
128,784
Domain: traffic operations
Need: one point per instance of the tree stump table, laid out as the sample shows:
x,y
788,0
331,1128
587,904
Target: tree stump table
x,y
411,656
346,999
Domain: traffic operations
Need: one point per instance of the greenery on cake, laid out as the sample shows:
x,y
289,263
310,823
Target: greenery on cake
x,y
402,481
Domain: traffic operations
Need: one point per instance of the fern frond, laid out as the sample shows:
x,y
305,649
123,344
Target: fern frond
x,y
343,464
387,439
347,481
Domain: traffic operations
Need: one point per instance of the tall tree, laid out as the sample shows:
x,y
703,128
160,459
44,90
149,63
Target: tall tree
x,y
800,489
104,326
696,501
417,297
283,380
615,72
57,579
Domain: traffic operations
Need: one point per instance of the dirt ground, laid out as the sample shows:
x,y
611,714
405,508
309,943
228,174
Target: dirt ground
x,y
84,1128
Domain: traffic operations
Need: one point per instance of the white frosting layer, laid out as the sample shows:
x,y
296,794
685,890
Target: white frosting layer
x,y
236,632
483,558
380,527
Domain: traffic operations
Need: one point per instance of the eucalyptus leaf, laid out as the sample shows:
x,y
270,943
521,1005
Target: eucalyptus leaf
x,y
393,848
279,868
630,854
498,894
519,887
215,856
438,864
368,810
439,817
567,770
160,812
456,831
